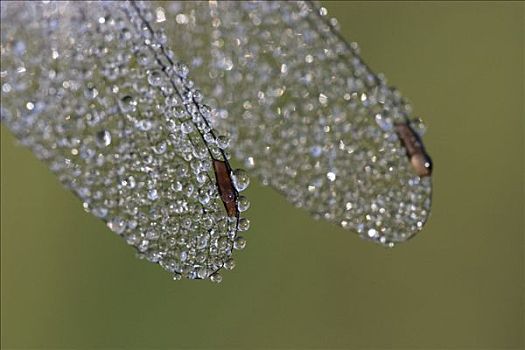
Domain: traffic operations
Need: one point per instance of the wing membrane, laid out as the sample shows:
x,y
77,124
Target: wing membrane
x,y
306,114
94,91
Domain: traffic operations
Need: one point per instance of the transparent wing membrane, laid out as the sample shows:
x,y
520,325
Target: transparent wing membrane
x,y
306,114
95,91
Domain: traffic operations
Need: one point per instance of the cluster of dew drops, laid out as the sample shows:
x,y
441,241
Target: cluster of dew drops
x,y
140,155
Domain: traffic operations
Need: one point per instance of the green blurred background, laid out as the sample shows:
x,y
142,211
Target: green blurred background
x,y
69,282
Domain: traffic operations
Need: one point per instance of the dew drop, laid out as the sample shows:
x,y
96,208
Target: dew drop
x,y
155,78
143,59
127,104
130,182
153,194
182,70
203,273
384,123
249,162
179,112
244,224
187,127
117,225
229,264
243,203
204,198
240,179
160,148
323,99
216,278
223,142
152,235
316,151
223,243
144,125
91,93
103,138
176,186
240,243
99,212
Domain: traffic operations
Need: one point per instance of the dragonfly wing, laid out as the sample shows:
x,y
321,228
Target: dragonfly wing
x,y
95,92
306,114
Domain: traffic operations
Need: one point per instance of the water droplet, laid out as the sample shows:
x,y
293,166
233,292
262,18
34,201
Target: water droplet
x,y
240,179
179,112
160,15
182,70
90,93
249,162
323,99
418,126
176,186
117,225
384,123
155,78
152,235
240,243
127,104
223,243
19,47
204,198
187,127
143,58
103,138
144,124
216,278
203,272
229,264
243,203
244,224
316,151
100,212
160,148
153,194
223,141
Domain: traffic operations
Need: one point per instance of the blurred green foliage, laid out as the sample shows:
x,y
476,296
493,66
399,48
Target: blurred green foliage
x,y
67,281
